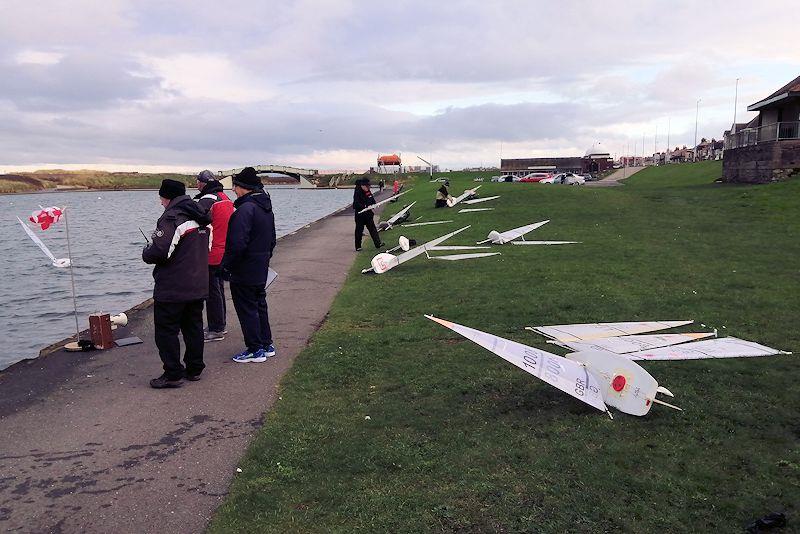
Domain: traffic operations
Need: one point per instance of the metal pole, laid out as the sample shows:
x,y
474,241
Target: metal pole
x,y
735,103
669,128
655,144
696,116
72,276
643,149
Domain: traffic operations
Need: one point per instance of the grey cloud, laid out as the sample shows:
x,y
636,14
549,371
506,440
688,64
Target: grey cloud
x,y
79,81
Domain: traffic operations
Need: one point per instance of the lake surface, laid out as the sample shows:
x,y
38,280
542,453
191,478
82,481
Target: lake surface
x,y
35,297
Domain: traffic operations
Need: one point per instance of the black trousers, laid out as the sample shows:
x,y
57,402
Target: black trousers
x,y
366,220
186,318
215,305
251,308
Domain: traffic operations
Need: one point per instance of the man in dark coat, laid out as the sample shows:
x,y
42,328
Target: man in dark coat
x,y
362,198
213,199
179,251
248,249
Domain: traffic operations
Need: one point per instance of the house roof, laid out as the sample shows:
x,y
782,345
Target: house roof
x,y
791,89
394,159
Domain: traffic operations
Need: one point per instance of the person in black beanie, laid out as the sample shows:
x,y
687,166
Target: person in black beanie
x,y
362,198
179,251
248,250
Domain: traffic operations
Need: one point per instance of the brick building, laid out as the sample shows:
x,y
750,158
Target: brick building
x,y
767,148
594,161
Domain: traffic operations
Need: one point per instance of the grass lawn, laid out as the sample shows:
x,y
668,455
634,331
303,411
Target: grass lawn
x,y
459,440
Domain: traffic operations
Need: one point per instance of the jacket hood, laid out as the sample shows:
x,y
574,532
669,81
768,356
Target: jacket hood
x,y
260,198
190,208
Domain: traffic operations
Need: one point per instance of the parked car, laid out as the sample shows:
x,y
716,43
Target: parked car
x,y
535,177
565,178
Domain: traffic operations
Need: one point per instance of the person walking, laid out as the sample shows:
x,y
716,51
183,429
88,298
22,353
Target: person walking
x,y
396,187
213,199
179,251
248,249
362,198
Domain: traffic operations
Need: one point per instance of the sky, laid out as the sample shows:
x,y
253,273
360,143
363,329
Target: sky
x,y
186,85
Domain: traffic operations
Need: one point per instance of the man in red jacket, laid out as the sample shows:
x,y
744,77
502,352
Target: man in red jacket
x,y
212,199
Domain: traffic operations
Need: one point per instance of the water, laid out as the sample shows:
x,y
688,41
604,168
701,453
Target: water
x,y
35,297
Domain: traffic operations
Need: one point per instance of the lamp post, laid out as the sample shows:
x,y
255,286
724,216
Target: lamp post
x,y
696,117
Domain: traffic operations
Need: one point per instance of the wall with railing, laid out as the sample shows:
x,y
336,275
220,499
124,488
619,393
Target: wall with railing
x,y
770,132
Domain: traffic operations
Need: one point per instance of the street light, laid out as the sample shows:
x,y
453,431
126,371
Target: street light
x,y
430,165
696,116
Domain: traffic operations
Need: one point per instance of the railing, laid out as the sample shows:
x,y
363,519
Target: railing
x,y
771,132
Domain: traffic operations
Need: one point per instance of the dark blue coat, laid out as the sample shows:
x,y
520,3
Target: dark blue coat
x,y
250,240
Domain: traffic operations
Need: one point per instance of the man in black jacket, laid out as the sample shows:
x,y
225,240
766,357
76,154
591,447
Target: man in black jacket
x,y
179,250
248,249
362,198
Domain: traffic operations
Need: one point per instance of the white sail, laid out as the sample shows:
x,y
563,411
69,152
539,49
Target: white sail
x,y
470,210
586,331
271,276
456,257
545,242
425,223
38,242
457,247
568,376
726,347
625,344
479,200
499,238
453,201
372,207
397,216
384,261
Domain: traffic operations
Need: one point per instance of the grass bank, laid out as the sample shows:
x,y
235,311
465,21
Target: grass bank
x,y
459,440
86,179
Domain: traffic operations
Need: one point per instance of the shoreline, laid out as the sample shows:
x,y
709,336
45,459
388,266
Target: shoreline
x,y
85,431
58,345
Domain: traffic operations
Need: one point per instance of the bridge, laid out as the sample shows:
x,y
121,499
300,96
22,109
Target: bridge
x,y
301,175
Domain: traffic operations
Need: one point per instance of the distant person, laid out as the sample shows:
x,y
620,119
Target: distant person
x,y
179,250
213,199
396,187
248,250
362,198
442,194
381,185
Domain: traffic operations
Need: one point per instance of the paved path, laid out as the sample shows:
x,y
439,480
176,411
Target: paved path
x,y
88,446
613,179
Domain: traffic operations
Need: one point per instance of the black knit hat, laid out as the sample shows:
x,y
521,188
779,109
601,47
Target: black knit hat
x,y
171,189
248,179
206,176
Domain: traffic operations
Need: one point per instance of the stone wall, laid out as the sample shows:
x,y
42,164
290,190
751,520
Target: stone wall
x,y
762,163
